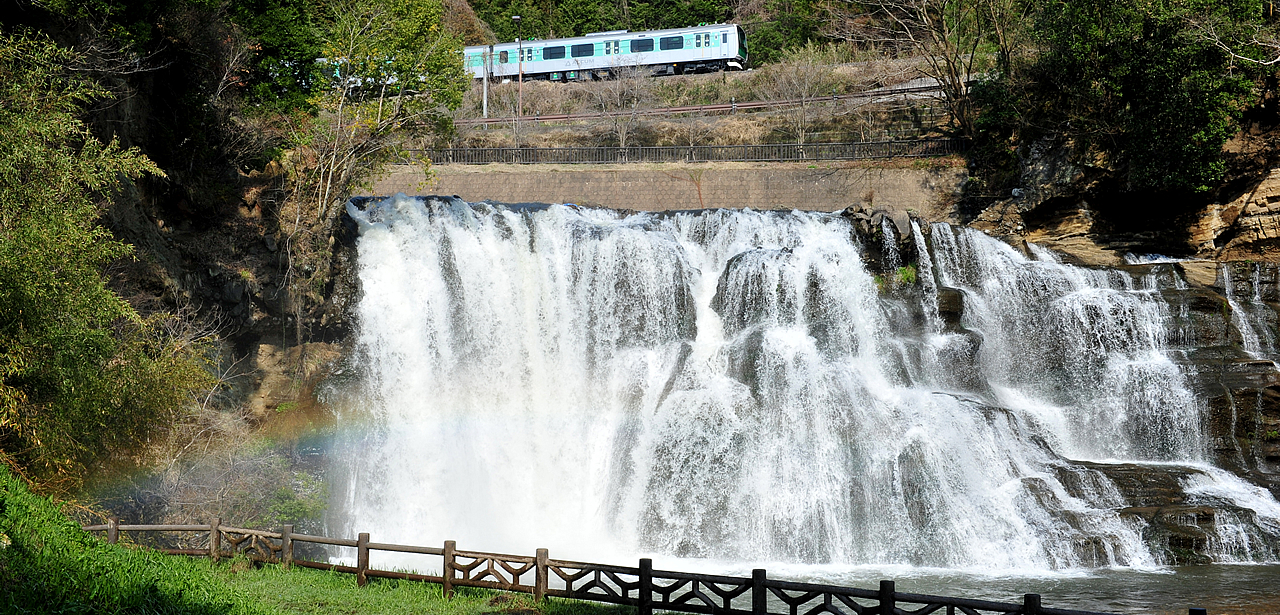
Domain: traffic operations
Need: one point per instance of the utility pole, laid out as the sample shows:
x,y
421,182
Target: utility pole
x,y
486,58
520,84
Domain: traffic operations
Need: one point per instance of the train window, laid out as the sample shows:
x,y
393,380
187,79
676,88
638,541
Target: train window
x,y
724,38
697,40
503,57
552,53
583,50
671,42
611,47
706,40
642,44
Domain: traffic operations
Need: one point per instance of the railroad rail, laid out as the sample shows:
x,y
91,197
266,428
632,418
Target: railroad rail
x,y
642,586
775,152
729,107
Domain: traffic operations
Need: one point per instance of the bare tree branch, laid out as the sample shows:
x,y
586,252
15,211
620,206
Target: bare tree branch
x,y
1257,36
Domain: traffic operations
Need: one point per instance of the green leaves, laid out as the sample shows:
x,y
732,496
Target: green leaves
x,y
80,371
1135,83
284,70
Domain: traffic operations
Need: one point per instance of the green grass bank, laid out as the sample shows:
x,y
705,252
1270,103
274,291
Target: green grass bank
x,y
49,565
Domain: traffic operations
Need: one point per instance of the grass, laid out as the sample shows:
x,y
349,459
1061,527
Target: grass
x,y
49,565
304,591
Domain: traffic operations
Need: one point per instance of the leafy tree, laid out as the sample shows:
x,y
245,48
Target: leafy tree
x,y
287,46
1134,83
787,24
394,74
81,373
393,71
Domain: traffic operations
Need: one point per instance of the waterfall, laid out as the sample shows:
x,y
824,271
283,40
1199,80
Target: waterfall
x,y
1255,340
738,386
889,244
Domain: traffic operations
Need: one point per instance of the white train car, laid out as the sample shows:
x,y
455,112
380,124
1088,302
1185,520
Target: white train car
x,y
677,51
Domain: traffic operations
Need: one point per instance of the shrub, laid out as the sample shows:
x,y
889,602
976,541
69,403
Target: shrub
x,y
81,373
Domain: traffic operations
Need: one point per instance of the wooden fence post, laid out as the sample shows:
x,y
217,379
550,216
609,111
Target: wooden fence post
x,y
449,547
887,602
646,587
286,547
1031,604
113,530
540,575
215,538
362,559
759,595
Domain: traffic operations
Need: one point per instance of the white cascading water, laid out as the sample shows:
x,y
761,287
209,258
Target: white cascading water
x,y
1256,340
735,385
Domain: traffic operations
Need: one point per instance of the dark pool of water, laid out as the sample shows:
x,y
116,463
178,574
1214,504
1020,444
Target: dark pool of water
x,y
1222,589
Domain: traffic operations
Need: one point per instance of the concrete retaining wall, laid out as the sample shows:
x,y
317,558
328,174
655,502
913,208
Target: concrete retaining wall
x,y
650,187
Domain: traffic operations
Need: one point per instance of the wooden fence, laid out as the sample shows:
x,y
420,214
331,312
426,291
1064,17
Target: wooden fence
x,y
641,587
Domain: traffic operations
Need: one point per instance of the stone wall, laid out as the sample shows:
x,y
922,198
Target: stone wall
x,y
649,187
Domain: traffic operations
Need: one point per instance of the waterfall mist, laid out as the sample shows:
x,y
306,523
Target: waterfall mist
x,y
739,385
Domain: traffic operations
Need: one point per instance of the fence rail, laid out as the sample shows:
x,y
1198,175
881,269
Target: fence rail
x,y
641,587
778,152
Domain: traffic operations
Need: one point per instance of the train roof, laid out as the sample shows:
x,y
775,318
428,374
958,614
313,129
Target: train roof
x,y
595,36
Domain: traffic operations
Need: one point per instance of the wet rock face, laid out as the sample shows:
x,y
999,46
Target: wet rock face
x,y
1179,524
1226,333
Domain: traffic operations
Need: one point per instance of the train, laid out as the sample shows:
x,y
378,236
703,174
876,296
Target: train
x,y
599,55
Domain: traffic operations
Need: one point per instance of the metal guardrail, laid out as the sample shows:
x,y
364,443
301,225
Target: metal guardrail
x,y
641,586
778,152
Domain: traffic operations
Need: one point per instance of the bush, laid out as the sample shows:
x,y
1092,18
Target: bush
x,y
81,373
1136,86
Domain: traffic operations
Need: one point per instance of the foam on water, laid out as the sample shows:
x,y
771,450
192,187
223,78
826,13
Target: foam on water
x,y
734,386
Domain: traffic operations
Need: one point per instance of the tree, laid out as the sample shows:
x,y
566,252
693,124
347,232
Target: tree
x,y
393,73
774,26
620,99
948,35
801,76
287,46
81,373
943,32
1135,83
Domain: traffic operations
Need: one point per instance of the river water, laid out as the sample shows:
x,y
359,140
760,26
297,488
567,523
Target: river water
x,y
729,387
1223,589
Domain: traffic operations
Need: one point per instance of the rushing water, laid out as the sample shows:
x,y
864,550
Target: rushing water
x,y
739,386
